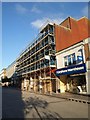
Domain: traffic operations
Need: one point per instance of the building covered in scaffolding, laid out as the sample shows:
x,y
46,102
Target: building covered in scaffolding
x,y
36,63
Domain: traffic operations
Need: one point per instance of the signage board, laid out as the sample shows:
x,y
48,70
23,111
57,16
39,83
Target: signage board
x,y
75,69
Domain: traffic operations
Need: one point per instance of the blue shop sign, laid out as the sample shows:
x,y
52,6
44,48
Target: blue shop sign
x,y
75,69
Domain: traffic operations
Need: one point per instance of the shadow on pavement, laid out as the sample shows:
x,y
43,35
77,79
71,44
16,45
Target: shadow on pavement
x,y
16,105
12,103
35,101
41,107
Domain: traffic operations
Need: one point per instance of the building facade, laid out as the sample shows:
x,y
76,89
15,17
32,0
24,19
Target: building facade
x,y
73,55
10,72
2,74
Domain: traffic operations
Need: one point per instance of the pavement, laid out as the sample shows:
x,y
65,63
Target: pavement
x,y
70,96
83,98
22,104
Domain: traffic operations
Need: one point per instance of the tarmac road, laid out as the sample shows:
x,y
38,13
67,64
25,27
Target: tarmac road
x,y
21,104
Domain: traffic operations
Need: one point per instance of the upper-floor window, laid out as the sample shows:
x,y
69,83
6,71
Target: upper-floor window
x,y
80,56
42,43
52,60
73,58
46,41
66,60
70,59
50,29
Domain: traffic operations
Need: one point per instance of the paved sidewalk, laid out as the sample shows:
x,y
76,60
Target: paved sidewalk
x,y
68,96
71,96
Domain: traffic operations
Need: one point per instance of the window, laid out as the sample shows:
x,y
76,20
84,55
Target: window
x,y
37,57
43,43
46,62
42,63
52,47
73,58
70,59
46,52
52,60
51,39
66,60
50,29
37,47
46,41
37,65
80,56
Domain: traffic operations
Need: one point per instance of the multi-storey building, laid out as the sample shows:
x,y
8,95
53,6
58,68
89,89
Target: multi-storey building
x,y
3,74
7,74
73,55
10,72
35,63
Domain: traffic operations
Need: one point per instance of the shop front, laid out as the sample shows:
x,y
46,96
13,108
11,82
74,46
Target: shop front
x,y
73,78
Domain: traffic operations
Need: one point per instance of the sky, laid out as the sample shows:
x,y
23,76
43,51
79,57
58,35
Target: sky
x,y
21,22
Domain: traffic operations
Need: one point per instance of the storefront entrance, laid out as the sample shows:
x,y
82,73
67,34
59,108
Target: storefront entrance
x,y
76,84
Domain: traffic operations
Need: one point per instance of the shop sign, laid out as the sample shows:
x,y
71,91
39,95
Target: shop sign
x,y
75,69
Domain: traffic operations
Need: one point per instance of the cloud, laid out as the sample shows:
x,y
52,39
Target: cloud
x,y
35,9
58,20
40,22
85,11
20,9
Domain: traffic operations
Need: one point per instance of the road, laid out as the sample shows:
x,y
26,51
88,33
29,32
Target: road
x,y
18,104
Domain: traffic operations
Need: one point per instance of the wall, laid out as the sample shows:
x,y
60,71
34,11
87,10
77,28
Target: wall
x,y
3,74
10,70
87,49
66,23
77,32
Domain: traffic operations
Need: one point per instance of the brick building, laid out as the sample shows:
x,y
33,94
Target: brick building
x,y
73,55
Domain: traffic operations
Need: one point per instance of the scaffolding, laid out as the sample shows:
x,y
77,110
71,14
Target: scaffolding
x,y
38,59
